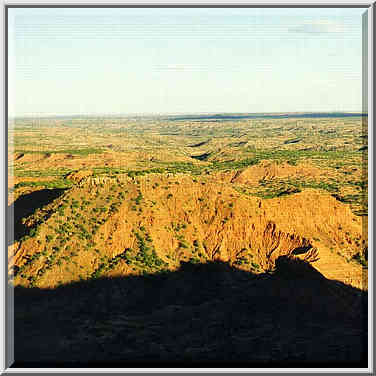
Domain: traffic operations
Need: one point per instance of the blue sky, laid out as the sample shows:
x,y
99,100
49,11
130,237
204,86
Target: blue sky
x,y
148,60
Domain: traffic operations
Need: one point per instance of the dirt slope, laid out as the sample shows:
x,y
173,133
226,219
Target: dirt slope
x,y
267,170
114,227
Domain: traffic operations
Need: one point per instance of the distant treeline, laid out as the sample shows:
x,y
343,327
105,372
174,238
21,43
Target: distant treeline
x,y
268,116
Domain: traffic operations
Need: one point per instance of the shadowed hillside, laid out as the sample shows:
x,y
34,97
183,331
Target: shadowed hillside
x,y
26,205
199,315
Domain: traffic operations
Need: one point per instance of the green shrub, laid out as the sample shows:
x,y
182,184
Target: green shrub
x,y
183,244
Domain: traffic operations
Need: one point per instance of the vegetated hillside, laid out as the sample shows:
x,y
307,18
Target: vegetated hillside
x,y
267,170
147,224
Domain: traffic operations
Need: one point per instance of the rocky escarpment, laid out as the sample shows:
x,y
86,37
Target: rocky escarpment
x,y
131,226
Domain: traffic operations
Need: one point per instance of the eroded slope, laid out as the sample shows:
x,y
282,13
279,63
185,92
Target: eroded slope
x,y
121,226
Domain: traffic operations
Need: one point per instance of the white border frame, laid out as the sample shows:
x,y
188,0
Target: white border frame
x,y
266,3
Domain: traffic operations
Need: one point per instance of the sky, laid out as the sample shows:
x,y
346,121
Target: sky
x,y
153,60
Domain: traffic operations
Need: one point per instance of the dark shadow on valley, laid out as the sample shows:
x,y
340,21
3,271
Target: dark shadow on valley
x,y
26,205
202,315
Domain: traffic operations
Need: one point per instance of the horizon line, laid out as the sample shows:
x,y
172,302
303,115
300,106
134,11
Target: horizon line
x,y
111,114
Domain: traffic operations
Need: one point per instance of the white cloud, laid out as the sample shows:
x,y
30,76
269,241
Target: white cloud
x,y
318,27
